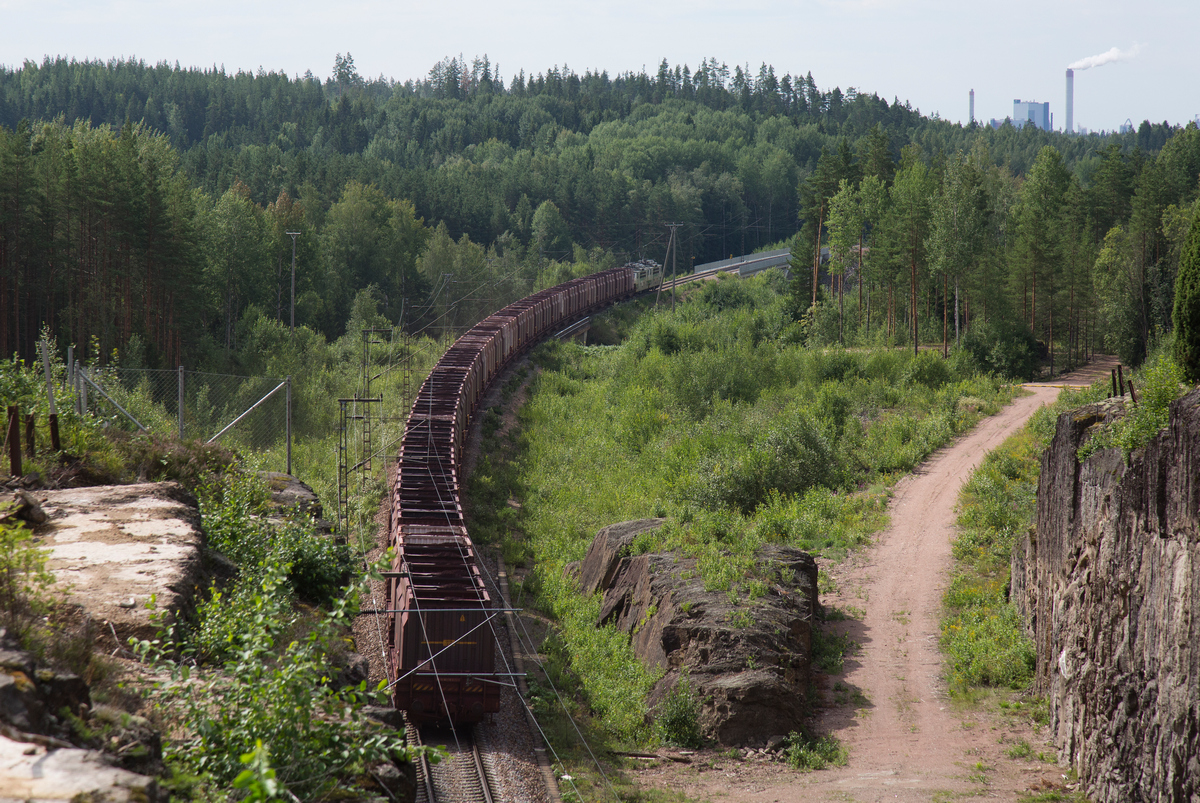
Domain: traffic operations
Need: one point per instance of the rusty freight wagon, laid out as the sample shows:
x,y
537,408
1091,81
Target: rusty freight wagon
x,y
440,638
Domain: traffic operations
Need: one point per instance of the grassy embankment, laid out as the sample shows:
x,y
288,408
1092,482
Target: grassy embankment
x,y
989,657
257,710
715,417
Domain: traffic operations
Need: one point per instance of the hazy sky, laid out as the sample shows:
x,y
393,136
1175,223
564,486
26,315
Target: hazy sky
x,y
929,52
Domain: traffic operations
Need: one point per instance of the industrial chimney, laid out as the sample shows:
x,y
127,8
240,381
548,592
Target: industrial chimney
x,y
1070,129
972,106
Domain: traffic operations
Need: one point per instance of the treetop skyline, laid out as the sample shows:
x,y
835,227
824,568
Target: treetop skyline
x,y
928,53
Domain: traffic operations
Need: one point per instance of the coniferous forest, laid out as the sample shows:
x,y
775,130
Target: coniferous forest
x,y
150,204
150,216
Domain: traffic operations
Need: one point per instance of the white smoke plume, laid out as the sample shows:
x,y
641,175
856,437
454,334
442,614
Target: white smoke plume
x,y
1115,54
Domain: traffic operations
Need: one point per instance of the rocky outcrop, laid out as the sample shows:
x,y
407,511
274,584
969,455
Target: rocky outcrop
x,y
292,495
1109,584
43,752
112,548
748,661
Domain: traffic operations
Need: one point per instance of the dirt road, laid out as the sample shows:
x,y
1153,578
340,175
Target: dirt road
x,y
906,743
906,740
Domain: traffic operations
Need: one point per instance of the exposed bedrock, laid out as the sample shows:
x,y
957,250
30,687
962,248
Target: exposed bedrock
x,y
748,661
1109,585
113,548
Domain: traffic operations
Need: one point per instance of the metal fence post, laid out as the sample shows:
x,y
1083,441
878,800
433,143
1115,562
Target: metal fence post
x,y
288,396
83,401
181,402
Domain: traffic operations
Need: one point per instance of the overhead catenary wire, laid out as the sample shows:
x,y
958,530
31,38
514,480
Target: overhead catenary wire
x,y
435,463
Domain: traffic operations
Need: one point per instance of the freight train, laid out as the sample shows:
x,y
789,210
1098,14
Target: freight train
x,y
441,643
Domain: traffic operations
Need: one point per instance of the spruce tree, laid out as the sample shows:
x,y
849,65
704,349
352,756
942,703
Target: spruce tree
x,y
1187,304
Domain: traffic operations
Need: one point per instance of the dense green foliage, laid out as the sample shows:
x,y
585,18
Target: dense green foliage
x,y
265,660
677,717
1158,384
448,196
267,667
234,507
23,578
807,754
713,418
1187,305
272,688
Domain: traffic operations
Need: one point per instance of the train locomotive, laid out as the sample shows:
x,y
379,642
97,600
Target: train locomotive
x,y
441,645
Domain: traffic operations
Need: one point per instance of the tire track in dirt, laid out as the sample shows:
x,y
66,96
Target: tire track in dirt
x,y
892,709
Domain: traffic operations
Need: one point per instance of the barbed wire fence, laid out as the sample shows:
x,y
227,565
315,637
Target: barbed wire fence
x,y
247,413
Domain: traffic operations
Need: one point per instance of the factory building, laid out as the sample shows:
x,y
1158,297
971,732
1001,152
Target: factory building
x,y
1032,112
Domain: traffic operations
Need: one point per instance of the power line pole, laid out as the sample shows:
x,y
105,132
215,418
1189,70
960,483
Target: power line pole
x,y
293,235
674,263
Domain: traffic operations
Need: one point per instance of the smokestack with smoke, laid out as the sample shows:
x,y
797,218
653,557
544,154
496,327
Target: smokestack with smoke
x,y
1115,54
1099,60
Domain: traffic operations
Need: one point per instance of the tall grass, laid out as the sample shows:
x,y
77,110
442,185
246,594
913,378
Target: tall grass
x,y
981,633
710,417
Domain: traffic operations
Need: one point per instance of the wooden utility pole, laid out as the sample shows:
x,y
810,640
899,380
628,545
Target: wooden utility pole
x,y
817,255
14,441
673,248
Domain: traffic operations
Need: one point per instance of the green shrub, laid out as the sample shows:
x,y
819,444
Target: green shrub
x,y
1159,386
677,716
228,622
829,650
271,691
927,368
1006,348
726,293
24,580
233,511
788,459
885,364
807,754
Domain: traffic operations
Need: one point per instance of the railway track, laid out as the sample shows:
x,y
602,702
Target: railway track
x,y
463,777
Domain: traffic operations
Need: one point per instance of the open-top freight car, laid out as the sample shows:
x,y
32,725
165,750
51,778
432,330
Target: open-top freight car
x,y
440,640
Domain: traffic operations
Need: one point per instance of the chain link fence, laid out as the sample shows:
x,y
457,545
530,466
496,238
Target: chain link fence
x,y
247,413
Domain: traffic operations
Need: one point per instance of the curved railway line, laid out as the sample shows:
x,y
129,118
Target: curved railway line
x,y
442,617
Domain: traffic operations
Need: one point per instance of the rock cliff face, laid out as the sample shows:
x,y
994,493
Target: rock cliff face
x,y
748,662
1109,584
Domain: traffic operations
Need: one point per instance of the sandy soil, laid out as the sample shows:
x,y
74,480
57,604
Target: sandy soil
x,y
907,741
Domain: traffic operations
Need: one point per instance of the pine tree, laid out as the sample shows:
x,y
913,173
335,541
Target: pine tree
x,y
1187,305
